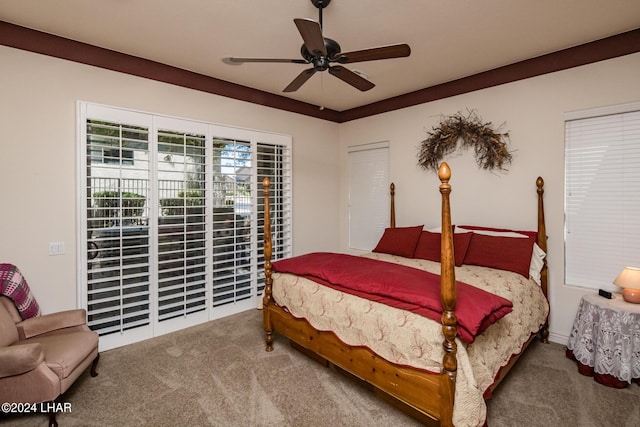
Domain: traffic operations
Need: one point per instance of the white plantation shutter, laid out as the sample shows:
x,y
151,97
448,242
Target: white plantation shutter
x,y
602,195
182,238
232,202
170,220
117,233
274,162
368,194
238,221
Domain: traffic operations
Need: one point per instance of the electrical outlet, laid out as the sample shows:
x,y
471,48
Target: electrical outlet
x,y
56,248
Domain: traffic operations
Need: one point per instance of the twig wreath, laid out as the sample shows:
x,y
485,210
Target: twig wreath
x,y
490,146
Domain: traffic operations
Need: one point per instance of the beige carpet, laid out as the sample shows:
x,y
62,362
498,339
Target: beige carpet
x,y
218,374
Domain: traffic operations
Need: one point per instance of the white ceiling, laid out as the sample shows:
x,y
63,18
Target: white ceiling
x,y
449,39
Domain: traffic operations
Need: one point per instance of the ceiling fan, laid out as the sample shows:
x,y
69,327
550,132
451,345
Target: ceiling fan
x,y
321,52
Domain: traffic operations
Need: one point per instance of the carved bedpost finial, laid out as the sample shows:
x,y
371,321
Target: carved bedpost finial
x,y
444,172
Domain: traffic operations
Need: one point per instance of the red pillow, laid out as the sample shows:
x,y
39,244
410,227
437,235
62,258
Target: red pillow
x,y
505,253
400,241
461,242
429,246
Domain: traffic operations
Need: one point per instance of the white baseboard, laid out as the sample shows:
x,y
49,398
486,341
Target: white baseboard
x,y
558,338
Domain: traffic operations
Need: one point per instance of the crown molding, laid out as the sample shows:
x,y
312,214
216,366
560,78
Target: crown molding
x,y
48,44
599,50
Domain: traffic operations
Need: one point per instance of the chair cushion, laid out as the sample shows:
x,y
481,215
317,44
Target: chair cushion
x,y
20,358
8,330
64,352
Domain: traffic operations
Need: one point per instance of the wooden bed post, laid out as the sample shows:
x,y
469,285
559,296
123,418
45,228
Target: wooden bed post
x,y
392,214
448,298
542,242
268,281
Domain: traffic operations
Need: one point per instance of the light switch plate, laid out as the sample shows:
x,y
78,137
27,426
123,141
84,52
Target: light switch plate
x,y
56,248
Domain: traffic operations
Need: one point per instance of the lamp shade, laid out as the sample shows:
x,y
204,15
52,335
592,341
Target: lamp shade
x,y
629,279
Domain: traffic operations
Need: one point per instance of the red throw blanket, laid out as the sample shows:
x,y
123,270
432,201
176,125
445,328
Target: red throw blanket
x,y
399,286
14,286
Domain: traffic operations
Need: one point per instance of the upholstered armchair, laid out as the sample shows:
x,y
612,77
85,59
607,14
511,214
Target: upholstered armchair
x,y
41,357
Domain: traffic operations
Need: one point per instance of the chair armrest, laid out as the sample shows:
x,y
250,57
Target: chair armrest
x,y
34,326
20,358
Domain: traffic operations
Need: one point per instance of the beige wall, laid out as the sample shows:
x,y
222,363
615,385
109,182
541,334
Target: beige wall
x,y
533,112
38,143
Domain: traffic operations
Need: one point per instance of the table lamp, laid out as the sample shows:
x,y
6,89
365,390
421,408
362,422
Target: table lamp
x,y
629,280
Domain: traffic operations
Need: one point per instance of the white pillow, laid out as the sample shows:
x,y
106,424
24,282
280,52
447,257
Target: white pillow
x,y
537,262
455,230
493,233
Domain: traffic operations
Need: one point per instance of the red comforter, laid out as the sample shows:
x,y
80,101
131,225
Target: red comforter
x,y
399,286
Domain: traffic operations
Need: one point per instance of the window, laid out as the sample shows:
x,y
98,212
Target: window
x,y
368,174
111,155
105,147
602,194
181,231
231,221
172,229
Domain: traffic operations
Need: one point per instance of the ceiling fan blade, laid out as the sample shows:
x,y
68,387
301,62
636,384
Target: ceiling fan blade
x,y
311,33
351,78
238,61
300,80
373,54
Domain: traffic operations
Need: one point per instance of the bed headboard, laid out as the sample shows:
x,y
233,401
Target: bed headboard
x,y
541,238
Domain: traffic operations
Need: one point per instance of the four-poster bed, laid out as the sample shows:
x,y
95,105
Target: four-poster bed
x,y
420,365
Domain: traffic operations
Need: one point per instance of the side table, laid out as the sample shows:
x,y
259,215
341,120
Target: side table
x,y
605,340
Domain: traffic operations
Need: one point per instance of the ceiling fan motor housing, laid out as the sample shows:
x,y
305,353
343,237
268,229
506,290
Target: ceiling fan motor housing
x,y
321,63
